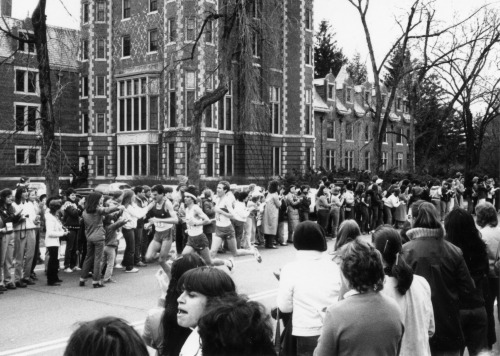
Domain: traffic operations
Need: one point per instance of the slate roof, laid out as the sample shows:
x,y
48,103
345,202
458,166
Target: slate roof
x,y
319,104
63,42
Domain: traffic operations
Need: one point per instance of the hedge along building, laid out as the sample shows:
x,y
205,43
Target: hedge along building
x,y
20,135
138,90
343,125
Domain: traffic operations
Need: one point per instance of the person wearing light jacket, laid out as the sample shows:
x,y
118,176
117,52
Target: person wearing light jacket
x,y
390,205
132,213
54,230
308,286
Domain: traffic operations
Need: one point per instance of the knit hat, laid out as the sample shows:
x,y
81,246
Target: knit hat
x,y
309,236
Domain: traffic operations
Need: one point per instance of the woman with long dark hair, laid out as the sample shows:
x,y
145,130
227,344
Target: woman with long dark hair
x,y
93,214
411,292
131,213
271,212
161,330
462,232
441,263
8,218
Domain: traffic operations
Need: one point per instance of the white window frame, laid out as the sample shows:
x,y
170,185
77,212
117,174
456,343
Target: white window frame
x,y
399,160
399,137
367,159
98,40
97,115
224,148
26,81
367,97
85,6
330,159
26,150
83,123
256,47
85,50
309,157
399,102
309,130
37,117
385,158
275,108
97,11
128,84
189,89
308,52
149,7
277,161
188,19
367,133
135,161
334,127
348,95
123,46
97,157
229,95
385,138
209,25
212,164
172,84
85,78
22,33
103,79
157,40
330,92
351,125
129,9
349,160
308,19
171,27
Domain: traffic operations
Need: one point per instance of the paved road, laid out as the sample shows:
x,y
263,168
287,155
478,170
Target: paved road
x,y
39,319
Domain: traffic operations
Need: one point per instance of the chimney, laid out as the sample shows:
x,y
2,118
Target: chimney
x,y
6,8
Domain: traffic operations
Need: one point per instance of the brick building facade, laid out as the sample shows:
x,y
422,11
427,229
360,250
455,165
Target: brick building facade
x,y
20,101
136,105
344,125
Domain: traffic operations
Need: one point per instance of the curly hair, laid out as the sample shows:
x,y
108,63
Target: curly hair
x,y
362,267
273,186
486,215
106,336
233,325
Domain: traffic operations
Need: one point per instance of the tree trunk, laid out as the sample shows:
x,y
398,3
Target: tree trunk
x,y
469,141
50,146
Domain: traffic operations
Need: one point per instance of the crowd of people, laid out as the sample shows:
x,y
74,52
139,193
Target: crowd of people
x,y
425,284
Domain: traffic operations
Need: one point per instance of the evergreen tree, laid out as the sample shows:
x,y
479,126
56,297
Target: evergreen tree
x,y
398,67
357,70
327,56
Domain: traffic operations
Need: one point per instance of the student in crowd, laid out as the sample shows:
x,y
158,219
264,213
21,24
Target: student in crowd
x,y
233,325
141,202
308,286
54,231
487,222
7,218
108,336
348,231
93,215
132,213
71,218
305,203
199,287
293,202
271,214
411,292
365,322
323,206
161,330
462,232
337,201
441,263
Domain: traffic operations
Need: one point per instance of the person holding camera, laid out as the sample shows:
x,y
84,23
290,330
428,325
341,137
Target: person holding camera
x,y
54,230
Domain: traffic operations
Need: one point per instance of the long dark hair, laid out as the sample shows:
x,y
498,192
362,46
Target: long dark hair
x,y
387,241
173,334
4,193
92,202
19,193
462,232
211,282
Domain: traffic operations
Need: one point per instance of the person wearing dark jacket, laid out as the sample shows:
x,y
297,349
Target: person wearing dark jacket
x,y
461,231
71,218
441,263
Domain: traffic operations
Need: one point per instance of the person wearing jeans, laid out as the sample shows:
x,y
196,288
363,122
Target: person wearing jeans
x,y
93,219
54,231
141,201
132,214
71,217
111,244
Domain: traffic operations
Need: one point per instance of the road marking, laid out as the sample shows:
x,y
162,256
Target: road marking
x,y
138,325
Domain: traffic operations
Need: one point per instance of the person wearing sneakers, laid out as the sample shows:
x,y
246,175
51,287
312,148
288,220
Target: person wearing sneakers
x,y
197,241
54,231
163,216
224,230
93,215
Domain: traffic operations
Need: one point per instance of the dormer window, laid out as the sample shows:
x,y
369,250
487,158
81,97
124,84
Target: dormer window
x,y
348,95
331,91
384,104
367,97
398,104
23,45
